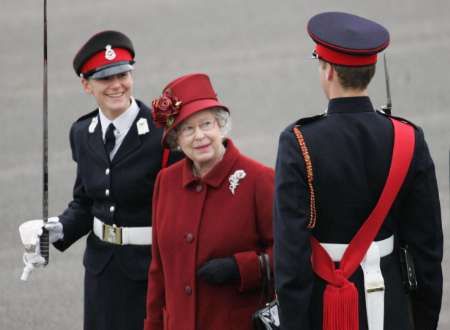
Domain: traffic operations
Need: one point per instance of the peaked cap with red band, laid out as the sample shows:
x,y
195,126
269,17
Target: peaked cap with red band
x,y
105,54
347,39
182,98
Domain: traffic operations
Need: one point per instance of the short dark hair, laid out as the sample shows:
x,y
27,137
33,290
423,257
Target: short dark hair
x,y
355,77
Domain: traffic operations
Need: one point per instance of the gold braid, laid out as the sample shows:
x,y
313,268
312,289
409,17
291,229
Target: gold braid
x,y
309,177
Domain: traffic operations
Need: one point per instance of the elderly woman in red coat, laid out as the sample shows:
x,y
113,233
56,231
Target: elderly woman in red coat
x,y
212,218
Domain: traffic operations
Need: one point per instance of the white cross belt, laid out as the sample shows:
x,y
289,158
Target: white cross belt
x,y
373,279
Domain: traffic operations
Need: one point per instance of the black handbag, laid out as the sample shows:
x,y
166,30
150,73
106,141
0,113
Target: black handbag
x,y
266,318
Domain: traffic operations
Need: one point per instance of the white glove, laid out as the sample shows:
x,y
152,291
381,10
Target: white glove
x,y
54,228
30,232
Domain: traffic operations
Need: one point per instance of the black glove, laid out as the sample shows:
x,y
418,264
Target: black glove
x,y
219,271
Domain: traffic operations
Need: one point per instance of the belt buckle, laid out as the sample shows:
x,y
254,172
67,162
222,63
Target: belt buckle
x,y
112,234
375,287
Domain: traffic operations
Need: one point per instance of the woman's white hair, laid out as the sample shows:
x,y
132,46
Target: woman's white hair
x,y
223,119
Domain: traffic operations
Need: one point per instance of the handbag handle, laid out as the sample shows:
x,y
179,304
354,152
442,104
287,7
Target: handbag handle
x,y
267,287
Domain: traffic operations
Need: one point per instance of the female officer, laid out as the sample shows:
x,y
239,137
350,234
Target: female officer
x,y
118,154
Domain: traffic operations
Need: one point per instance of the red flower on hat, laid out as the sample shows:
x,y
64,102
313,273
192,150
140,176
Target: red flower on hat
x,y
165,109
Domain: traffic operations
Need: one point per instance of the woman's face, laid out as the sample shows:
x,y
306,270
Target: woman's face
x,y
200,138
113,93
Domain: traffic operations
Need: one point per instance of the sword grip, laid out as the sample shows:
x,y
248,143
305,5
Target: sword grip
x,y
44,245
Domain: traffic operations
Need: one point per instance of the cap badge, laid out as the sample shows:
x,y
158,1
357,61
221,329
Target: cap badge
x,y
234,179
110,54
142,126
93,124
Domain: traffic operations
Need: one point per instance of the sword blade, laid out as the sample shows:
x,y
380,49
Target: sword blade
x,y
388,107
44,241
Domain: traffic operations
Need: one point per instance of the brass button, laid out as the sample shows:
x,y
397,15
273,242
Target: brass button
x,y
107,171
112,209
198,188
188,290
189,237
107,192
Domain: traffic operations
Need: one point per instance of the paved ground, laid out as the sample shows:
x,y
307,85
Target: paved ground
x,y
257,54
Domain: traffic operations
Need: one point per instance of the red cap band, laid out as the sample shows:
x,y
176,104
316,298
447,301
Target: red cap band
x,y
106,57
339,58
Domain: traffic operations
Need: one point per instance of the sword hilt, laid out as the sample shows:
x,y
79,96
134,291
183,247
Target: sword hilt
x,y
387,109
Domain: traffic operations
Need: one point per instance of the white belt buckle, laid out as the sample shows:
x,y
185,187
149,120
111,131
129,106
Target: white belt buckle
x,y
374,287
112,234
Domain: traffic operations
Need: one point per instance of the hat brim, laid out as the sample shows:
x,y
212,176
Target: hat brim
x,y
190,109
111,70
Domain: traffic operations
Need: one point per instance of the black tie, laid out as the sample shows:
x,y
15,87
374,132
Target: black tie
x,y
110,139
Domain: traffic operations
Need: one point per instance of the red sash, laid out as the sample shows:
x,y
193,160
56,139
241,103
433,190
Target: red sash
x,y
340,299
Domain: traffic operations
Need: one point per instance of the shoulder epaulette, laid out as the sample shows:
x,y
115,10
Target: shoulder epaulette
x,y
306,120
87,116
396,117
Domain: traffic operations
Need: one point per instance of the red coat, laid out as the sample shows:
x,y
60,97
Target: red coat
x,y
198,220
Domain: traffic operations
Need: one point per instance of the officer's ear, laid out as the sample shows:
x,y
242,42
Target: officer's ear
x,y
86,85
330,72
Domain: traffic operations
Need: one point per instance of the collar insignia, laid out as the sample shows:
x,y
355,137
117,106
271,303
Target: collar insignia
x,y
93,124
142,126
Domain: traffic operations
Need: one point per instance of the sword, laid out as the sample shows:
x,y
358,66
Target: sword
x,y
44,240
387,109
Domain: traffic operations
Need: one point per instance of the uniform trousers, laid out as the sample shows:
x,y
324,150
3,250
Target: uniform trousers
x,y
112,300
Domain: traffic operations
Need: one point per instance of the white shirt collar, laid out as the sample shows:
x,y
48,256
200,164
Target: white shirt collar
x,y
121,123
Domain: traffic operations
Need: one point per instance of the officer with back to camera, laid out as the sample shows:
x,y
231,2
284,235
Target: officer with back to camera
x,y
332,181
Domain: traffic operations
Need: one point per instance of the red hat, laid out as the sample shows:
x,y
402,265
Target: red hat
x,y
182,98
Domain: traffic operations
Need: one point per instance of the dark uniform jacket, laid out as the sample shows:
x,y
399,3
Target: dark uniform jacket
x,y
350,149
129,179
